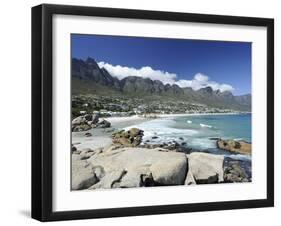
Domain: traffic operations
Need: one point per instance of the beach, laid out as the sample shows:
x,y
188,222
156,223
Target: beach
x,y
193,130
101,137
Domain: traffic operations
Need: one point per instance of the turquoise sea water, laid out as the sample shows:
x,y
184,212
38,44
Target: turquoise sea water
x,y
196,131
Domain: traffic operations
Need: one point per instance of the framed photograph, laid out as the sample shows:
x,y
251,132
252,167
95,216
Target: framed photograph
x,y
145,112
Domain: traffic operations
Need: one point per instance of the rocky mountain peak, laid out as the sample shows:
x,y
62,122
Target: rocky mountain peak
x,y
88,72
207,89
226,94
90,60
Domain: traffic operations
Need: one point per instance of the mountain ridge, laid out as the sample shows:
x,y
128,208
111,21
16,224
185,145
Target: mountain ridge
x,y
88,77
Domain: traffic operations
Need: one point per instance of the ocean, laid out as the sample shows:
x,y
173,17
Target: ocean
x,y
197,131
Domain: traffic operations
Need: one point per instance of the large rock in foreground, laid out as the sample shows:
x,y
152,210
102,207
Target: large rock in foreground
x,y
241,147
136,167
83,175
204,168
116,166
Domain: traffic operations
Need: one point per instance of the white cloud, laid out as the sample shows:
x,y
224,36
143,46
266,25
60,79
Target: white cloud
x,y
199,81
121,72
226,87
201,78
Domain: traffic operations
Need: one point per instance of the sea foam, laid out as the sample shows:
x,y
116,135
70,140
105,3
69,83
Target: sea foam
x,y
205,125
163,130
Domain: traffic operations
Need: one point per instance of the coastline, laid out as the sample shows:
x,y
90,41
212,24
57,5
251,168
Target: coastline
x,y
116,121
199,114
102,137
134,119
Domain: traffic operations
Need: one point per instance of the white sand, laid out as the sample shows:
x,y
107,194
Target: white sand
x,y
122,122
99,138
90,142
123,119
102,137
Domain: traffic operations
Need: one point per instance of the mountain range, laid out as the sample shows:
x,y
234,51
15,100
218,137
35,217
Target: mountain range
x,y
89,78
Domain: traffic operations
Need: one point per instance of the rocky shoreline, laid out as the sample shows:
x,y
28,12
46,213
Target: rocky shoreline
x,y
87,122
238,147
127,163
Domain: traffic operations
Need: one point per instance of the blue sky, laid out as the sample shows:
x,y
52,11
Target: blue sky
x,y
194,63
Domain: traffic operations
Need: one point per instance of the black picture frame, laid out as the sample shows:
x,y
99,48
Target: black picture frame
x,y
42,111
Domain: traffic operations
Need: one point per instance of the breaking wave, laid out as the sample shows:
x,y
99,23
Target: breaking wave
x,y
161,130
195,135
205,125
